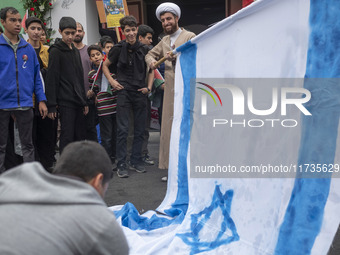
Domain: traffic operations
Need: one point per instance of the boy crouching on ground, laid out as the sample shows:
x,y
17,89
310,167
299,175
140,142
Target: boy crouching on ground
x,y
106,101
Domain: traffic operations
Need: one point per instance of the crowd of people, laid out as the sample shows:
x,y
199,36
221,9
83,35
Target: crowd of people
x,y
77,86
69,87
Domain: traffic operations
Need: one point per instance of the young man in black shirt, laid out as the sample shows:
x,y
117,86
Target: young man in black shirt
x,y
65,85
129,57
44,129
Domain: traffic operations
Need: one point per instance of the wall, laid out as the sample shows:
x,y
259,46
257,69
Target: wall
x,y
13,3
83,11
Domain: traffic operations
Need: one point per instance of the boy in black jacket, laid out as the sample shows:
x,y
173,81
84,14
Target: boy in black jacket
x,y
65,85
129,57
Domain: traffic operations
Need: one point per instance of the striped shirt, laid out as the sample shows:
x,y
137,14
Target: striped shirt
x,y
106,100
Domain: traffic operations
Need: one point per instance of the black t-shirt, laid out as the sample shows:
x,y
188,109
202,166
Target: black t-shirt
x,y
42,69
130,65
37,51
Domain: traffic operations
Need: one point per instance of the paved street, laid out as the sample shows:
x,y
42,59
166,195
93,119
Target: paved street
x,y
145,190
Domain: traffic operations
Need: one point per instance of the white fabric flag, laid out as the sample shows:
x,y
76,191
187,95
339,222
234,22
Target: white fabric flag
x,y
256,93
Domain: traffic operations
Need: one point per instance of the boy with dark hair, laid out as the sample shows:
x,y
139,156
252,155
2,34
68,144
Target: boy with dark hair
x,y
86,160
44,130
19,78
103,39
43,38
106,102
65,85
107,46
129,57
145,34
64,212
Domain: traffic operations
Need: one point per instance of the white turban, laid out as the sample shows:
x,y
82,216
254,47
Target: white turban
x,y
168,7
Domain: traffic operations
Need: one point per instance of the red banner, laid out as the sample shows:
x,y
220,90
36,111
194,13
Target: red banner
x,y
246,2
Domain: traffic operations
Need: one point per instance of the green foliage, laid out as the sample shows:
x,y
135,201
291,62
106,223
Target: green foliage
x,y
42,10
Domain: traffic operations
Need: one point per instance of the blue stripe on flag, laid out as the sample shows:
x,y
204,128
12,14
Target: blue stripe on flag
x,y
304,215
188,68
129,215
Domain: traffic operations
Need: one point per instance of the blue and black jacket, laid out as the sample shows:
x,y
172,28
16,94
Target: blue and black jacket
x,y
19,76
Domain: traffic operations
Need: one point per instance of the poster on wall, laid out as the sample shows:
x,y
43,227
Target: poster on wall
x,y
114,11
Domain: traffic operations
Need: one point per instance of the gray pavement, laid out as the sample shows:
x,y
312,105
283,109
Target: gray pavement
x,y
145,190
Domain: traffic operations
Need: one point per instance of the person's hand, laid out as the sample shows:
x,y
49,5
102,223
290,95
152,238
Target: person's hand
x,y
144,90
163,86
170,56
86,110
153,65
43,109
115,84
90,93
52,115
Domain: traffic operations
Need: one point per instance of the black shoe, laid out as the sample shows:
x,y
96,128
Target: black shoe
x,y
122,171
147,160
139,168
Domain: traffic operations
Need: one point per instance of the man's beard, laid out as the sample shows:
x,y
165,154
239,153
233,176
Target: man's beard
x,y
78,39
172,30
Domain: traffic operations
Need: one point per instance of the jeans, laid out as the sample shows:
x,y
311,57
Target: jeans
x,y
137,102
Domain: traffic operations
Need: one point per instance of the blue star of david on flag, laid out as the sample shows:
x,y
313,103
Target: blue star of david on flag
x,y
198,223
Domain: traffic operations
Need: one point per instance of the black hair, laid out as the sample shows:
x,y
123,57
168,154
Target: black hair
x,y
31,20
107,41
85,160
103,39
3,12
67,22
128,21
45,30
93,47
143,30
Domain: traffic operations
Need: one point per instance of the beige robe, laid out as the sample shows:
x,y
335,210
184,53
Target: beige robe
x,y
155,54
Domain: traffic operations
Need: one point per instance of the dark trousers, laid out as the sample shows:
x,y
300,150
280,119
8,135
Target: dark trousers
x,y
44,137
137,102
11,159
145,150
73,126
24,120
108,134
91,122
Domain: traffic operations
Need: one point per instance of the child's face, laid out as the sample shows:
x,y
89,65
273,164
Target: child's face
x,y
34,31
96,57
68,35
107,48
130,34
43,37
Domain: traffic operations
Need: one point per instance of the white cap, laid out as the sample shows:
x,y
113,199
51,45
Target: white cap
x,y
168,7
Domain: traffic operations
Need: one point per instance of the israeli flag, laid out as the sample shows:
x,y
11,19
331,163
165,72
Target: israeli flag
x,y
254,151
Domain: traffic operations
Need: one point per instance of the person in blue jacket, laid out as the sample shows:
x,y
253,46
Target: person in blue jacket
x,y
19,79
